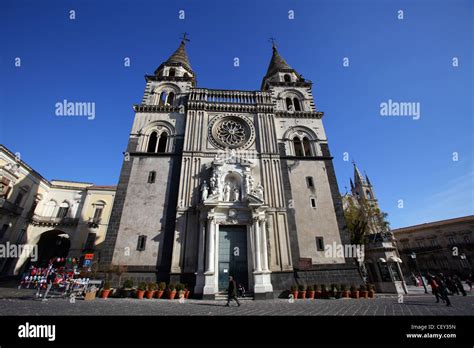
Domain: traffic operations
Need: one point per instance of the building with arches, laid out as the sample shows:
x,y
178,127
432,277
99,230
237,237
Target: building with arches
x,y
228,182
60,218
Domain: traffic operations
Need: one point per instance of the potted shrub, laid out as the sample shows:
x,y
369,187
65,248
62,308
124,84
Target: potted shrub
x,y
180,290
337,291
354,292
371,289
324,291
294,291
302,291
344,292
151,288
171,292
186,292
317,291
363,293
161,289
141,290
311,292
127,288
105,290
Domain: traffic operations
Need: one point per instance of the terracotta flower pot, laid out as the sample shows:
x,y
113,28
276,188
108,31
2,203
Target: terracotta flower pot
x,y
149,294
159,293
355,294
171,295
295,294
317,294
311,294
302,294
371,294
105,293
140,294
364,294
346,294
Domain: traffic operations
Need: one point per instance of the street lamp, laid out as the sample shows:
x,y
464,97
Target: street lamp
x,y
413,256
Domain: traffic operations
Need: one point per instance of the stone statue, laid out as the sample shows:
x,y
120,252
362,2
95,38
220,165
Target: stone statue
x,y
226,192
213,182
204,190
247,184
259,191
236,194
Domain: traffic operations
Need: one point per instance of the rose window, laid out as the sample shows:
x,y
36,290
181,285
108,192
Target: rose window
x,y
231,132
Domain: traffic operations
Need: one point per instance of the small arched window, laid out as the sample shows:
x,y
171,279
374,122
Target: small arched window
x,y
170,98
296,104
162,98
63,210
172,72
369,195
152,142
162,142
186,75
287,78
298,147
306,147
289,104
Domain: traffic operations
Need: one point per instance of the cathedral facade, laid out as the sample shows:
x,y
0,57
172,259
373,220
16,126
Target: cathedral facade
x,y
228,182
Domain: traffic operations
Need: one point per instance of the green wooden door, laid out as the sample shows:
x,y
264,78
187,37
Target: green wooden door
x,y
232,255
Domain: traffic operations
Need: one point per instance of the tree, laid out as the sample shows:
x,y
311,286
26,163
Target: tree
x,y
363,218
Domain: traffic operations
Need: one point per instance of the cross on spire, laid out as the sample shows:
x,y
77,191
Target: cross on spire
x,y
184,38
273,41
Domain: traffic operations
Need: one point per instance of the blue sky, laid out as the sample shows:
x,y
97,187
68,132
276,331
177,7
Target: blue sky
x,y
407,60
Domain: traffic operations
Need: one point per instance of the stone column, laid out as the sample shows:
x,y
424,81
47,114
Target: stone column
x,y
201,247
256,226
264,244
211,227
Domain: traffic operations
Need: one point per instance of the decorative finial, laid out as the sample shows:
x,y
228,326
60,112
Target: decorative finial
x,y
273,41
184,39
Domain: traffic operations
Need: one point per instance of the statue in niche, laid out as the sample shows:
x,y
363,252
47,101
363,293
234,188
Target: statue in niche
x,y
236,194
204,191
213,182
247,184
227,192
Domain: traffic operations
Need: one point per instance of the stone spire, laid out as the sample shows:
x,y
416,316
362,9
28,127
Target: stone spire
x,y
180,56
277,62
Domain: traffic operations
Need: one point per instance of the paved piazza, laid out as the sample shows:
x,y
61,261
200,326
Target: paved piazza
x,y
14,302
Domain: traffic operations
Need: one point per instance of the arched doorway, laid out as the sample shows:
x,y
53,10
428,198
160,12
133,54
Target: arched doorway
x,y
51,244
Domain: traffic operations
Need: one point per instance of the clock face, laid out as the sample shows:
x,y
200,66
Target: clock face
x,y
231,132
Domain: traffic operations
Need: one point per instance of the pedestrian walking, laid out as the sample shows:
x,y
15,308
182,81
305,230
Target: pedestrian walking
x,y
50,278
443,291
459,285
232,292
435,289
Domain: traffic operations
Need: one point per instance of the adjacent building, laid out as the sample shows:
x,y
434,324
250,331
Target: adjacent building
x,y
381,263
445,246
61,218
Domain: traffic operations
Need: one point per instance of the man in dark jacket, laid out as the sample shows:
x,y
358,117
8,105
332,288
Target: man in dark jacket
x,y
232,292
